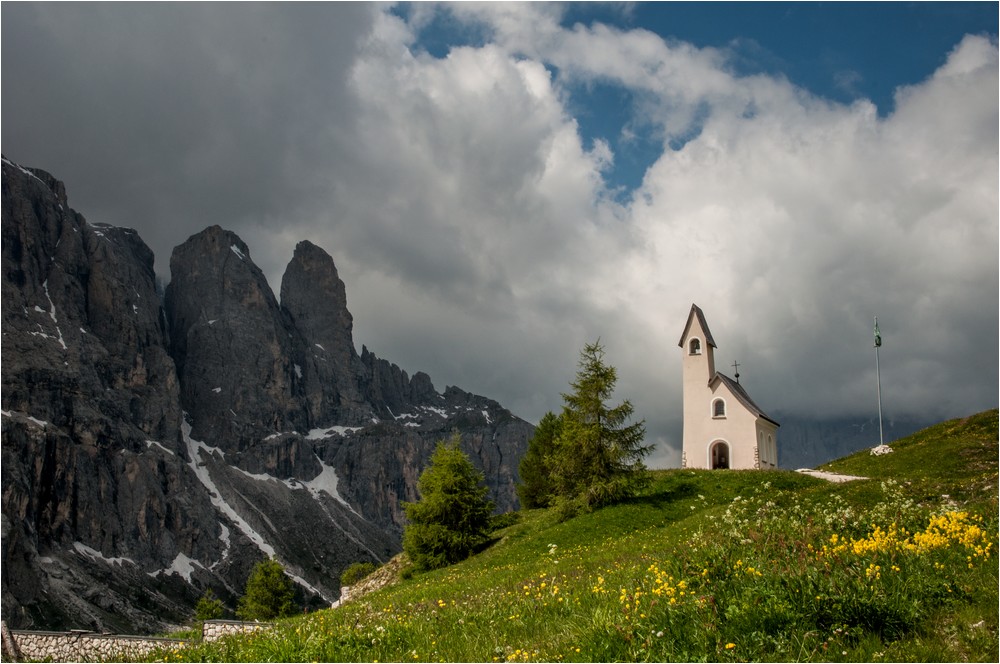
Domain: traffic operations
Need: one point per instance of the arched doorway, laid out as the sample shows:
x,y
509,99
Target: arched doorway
x,y
719,455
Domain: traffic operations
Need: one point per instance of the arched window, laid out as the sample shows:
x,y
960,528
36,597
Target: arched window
x,y
772,449
695,347
718,408
719,455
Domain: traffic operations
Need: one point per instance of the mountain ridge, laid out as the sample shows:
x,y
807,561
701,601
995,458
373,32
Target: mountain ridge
x,y
153,449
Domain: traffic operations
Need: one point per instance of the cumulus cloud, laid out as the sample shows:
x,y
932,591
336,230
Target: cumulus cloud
x,y
474,225
790,219
808,219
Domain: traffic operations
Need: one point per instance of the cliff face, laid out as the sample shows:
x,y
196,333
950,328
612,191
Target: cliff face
x,y
153,450
328,371
230,342
91,418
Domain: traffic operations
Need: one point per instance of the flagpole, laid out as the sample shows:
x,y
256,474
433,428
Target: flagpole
x,y
878,378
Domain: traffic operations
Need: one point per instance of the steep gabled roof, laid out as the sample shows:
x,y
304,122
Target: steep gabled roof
x,y
741,396
697,312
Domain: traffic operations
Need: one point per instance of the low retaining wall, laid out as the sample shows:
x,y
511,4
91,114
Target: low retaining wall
x,y
83,646
213,630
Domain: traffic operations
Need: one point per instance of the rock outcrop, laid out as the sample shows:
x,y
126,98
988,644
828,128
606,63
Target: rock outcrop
x,y
329,372
155,449
230,342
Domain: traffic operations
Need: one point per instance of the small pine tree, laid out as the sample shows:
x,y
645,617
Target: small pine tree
x,y
269,593
598,457
536,488
209,607
452,517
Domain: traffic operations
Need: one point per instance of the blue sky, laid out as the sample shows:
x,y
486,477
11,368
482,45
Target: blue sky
x,y
842,51
500,184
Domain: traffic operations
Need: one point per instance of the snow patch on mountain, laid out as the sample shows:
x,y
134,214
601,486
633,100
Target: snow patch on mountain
x,y
195,448
319,434
327,481
439,411
52,315
94,554
182,565
150,443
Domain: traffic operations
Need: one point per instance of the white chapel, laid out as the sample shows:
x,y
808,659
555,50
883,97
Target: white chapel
x,y
723,427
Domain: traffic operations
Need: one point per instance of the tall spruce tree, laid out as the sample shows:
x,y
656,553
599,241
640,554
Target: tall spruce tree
x,y
598,456
452,517
536,488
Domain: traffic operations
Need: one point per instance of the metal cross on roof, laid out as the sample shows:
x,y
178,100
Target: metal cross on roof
x,y
736,366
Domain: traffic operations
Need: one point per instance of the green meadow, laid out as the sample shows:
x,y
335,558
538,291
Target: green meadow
x,y
705,565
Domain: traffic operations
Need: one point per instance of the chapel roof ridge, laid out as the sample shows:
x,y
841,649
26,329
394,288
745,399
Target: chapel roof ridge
x,y
742,396
696,312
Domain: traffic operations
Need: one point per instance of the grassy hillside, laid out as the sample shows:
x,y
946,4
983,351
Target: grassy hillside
x,y
723,566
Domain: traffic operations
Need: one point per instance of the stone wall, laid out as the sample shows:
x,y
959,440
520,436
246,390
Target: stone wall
x,y
83,646
213,630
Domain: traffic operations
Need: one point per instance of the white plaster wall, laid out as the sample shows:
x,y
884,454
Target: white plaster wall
x,y
738,428
696,372
768,453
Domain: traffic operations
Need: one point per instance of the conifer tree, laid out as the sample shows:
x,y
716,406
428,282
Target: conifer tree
x,y
536,488
598,456
209,607
269,593
452,517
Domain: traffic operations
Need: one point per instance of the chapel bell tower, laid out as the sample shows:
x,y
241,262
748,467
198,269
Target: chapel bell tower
x,y
698,369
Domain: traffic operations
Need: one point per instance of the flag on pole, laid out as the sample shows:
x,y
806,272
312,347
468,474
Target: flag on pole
x,y
878,336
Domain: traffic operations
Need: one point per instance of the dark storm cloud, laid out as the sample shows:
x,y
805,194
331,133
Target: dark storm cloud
x,y
172,117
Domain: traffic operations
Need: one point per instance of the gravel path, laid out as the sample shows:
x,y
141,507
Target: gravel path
x,y
833,477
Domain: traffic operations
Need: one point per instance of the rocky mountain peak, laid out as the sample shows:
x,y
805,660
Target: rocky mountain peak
x,y
212,242
229,341
55,187
314,299
141,467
